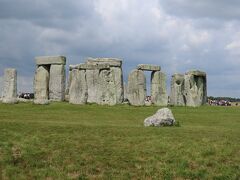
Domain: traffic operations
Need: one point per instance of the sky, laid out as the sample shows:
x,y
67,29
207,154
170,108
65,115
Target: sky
x,y
178,35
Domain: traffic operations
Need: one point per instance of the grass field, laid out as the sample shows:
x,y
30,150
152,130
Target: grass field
x,y
63,141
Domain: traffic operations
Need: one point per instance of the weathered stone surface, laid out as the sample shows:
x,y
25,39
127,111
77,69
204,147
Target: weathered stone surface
x,y
9,94
195,88
110,86
104,80
57,83
148,67
47,60
78,89
85,66
92,77
163,117
177,90
68,85
125,91
113,62
159,89
41,85
136,88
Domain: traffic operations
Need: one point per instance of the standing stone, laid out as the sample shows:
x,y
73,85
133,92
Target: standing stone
x,y
195,88
158,88
92,77
137,88
10,86
41,85
68,84
105,81
106,91
177,90
57,82
78,89
125,91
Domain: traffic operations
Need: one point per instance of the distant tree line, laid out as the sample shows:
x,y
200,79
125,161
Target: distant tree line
x,y
230,99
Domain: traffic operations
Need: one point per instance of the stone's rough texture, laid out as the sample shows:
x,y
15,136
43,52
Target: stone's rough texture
x,y
136,88
104,80
68,85
9,94
57,83
163,117
41,85
125,91
85,66
177,90
110,86
159,89
49,83
78,89
148,67
48,60
195,88
92,77
113,62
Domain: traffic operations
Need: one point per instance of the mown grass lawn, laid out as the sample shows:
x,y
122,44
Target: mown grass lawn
x,y
63,141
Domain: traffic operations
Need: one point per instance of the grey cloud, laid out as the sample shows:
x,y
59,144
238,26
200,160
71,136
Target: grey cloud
x,y
216,9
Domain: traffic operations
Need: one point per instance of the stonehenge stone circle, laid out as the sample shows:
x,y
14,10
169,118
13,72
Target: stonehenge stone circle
x,y
177,90
163,117
9,94
104,80
195,88
78,89
136,88
49,81
158,88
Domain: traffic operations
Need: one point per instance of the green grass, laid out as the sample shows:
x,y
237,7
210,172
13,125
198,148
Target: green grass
x,y
63,141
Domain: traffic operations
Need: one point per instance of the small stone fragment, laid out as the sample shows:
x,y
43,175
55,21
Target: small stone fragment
x,y
163,117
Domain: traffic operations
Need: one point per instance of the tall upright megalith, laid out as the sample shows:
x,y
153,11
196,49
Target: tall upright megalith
x,y
9,94
136,89
41,85
195,88
177,90
158,89
105,80
50,77
57,82
78,88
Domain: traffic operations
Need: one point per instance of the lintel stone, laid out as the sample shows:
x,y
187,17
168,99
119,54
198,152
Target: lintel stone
x,y
148,67
85,66
45,60
196,73
113,62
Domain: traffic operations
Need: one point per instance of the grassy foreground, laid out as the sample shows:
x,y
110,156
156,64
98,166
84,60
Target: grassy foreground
x,y
63,141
